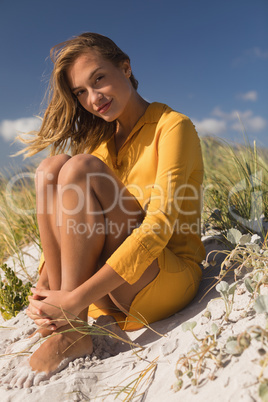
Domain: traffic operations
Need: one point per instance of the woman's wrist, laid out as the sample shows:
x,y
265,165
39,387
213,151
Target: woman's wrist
x,y
77,304
96,287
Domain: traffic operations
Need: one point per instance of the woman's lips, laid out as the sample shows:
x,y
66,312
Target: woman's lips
x,y
103,108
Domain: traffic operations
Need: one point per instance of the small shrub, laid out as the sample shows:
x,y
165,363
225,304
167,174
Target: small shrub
x,y
13,293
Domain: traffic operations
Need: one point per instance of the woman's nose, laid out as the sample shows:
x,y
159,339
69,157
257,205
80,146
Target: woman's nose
x,y
96,97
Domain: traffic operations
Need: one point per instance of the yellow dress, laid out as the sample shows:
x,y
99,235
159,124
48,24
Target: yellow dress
x,y
161,165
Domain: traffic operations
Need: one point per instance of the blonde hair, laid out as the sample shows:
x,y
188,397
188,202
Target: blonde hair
x,y
65,119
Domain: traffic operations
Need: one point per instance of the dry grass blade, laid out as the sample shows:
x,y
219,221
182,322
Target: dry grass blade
x,y
143,378
18,221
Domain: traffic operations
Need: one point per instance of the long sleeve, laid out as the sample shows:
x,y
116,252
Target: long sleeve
x,y
178,158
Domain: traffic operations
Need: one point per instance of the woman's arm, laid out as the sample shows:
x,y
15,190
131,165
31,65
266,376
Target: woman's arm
x,y
179,154
50,303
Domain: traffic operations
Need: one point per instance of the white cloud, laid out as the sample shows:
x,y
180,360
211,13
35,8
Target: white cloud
x,y
234,120
257,123
258,53
249,96
252,54
251,123
226,116
9,129
210,126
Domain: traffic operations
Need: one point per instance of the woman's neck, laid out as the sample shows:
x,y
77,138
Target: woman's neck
x,y
133,112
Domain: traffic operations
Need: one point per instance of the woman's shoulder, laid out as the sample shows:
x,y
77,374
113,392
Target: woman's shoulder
x,y
168,116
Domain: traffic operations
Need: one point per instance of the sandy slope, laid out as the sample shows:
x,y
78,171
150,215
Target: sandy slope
x,y
114,363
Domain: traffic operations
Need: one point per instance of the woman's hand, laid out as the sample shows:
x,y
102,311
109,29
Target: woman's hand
x,y
51,308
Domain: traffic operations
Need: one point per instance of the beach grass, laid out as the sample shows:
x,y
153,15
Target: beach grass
x,y
235,185
18,223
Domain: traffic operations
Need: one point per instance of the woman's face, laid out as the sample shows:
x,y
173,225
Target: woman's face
x,y
101,88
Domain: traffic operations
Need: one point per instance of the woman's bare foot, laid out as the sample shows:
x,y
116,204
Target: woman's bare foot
x,y
59,349
50,357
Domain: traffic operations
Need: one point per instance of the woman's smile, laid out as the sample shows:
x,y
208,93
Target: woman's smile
x,y
104,107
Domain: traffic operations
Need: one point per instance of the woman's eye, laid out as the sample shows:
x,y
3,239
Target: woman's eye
x,y
77,94
99,78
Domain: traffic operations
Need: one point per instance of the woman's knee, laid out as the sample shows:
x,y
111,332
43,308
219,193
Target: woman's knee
x,y
81,167
49,168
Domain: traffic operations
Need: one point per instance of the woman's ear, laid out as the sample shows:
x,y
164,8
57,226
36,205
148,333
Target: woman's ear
x,y
126,68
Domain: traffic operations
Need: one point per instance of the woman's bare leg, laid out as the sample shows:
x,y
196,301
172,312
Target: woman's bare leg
x,y
86,202
46,208
83,251
47,205
70,240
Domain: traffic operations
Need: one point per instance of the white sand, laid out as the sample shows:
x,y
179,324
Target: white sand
x,y
114,364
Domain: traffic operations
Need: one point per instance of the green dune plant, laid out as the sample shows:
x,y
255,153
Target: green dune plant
x,y
13,293
235,185
247,259
18,223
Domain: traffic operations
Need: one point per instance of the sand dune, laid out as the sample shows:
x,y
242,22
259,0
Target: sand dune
x,y
114,364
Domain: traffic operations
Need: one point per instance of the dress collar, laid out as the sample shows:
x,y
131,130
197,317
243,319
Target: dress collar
x,y
151,115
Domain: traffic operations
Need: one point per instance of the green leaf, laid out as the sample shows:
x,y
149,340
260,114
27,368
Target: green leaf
x,y
233,348
244,239
261,304
207,314
177,385
214,328
245,340
188,326
13,293
253,247
232,288
258,276
222,287
6,315
233,236
263,391
248,285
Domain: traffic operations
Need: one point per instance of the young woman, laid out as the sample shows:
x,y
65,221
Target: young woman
x,y
119,220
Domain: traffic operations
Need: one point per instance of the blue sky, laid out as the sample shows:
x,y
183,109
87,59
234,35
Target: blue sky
x,y
205,58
